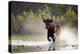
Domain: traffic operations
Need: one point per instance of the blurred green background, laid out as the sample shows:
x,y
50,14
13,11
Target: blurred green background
x,y
26,17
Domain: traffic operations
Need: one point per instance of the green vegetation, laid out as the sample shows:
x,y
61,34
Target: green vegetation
x,y
28,37
61,13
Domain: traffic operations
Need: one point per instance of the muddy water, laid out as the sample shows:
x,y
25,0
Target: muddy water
x,y
68,39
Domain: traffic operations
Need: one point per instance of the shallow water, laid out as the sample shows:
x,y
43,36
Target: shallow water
x,y
25,46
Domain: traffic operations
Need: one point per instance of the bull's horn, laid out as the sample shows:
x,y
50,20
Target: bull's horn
x,y
42,17
51,16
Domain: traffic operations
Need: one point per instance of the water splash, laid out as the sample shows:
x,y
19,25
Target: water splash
x,y
68,35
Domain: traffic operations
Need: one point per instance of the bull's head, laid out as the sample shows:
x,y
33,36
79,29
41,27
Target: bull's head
x,y
47,21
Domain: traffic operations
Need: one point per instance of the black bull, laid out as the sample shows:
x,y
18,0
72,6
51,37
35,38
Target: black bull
x,y
52,28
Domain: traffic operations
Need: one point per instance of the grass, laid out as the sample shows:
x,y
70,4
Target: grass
x,y
28,37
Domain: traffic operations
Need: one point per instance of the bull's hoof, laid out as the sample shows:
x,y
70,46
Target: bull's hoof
x,y
53,48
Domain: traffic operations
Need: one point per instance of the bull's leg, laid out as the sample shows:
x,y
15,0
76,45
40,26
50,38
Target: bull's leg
x,y
53,48
53,42
53,39
48,38
49,48
48,35
51,45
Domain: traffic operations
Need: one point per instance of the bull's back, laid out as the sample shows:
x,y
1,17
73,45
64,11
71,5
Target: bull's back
x,y
54,27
